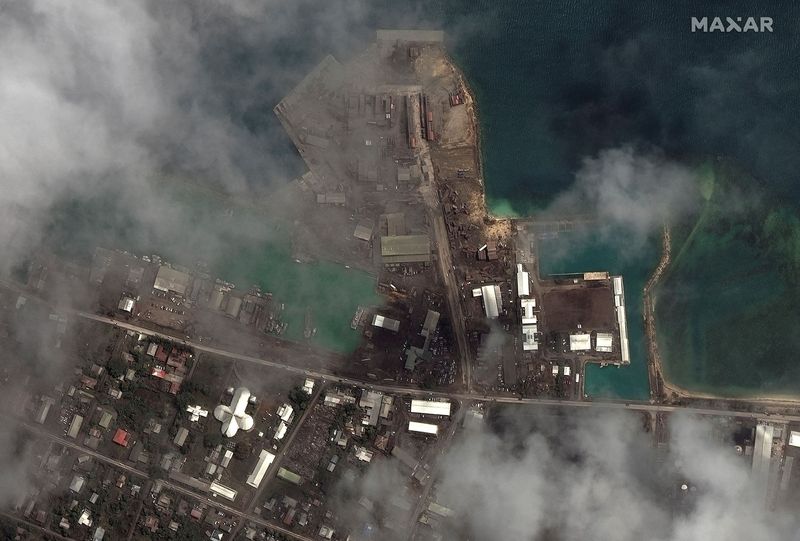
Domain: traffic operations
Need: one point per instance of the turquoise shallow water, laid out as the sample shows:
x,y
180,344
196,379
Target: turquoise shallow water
x,y
243,246
581,251
555,82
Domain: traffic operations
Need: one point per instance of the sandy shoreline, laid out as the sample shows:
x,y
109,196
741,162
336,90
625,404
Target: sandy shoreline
x,y
661,388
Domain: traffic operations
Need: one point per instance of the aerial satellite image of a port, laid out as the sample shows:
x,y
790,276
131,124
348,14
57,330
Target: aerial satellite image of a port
x,y
383,270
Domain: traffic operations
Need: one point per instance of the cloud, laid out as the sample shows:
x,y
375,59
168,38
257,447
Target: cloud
x,y
598,476
637,191
100,99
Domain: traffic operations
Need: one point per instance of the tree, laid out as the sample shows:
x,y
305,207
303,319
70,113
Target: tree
x,y
298,397
116,367
243,450
212,439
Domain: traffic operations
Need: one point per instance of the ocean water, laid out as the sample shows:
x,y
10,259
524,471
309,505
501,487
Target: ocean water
x,y
555,83
592,250
240,245
558,83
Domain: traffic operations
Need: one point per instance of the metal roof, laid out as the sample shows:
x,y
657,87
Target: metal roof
x,y
580,342
222,490
430,407
265,459
604,342
431,321
523,282
169,279
491,300
406,249
426,428
385,322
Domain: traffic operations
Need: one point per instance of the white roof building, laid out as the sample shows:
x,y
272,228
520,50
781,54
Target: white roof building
x,y
431,407
794,438
529,342
233,417
308,386
85,519
527,306
523,282
619,303
280,432
425,428
77,484
492,300
169,279
196,412
126,304
265,459
222,490
386,323
580,342
285,412
363,454
604,342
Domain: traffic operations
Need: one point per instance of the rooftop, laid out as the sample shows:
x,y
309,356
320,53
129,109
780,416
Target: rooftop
x,y
169,279
406,249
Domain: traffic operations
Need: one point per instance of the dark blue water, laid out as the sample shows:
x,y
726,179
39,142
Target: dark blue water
x,y
555,83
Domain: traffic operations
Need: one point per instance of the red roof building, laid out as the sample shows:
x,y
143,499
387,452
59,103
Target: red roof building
x,y
121,437
161,354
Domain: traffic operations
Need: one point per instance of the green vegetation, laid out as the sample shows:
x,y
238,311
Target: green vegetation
x,y
133,413
212,439
191,393
298,398
116,367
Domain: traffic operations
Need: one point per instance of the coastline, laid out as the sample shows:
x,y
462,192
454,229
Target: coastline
x,y
661,388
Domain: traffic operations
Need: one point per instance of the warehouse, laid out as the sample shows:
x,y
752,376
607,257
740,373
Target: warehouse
x,y
527,306
171,280
180,437
222,490
430,324
401,249
580,342
492,300
386,323
75,426
604,342
265,459
425,428
430,407
523,282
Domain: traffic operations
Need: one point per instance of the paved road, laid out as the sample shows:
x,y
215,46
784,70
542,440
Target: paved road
x,y
235,512
48,532
281,456
40,431
502,399
453,302
432,457
442,241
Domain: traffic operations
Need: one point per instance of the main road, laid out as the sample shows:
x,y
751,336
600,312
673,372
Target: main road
x,y
39,431
447,271
501,399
